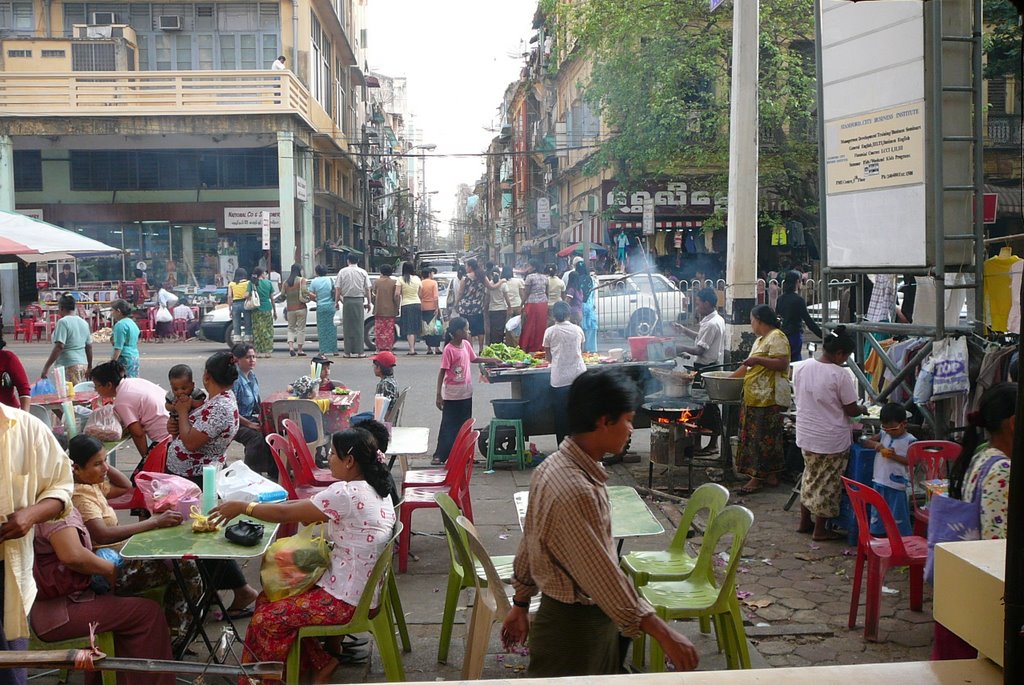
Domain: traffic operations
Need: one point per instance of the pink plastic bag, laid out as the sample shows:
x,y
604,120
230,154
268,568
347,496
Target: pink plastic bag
x,y
163,491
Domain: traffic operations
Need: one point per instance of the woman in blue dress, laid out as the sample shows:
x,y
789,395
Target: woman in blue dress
x,y
125,338
322,288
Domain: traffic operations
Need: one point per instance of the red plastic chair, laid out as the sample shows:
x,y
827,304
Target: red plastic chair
x,y
309,473
881,555
155,462
421,477
457,487
283,454
180,328
147,332
934,458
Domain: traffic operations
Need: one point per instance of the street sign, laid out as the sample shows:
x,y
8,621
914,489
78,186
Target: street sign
x,y
715,4
543,214
265,229
301,191
649,216
465,242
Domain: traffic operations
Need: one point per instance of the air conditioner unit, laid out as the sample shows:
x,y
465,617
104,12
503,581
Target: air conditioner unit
x,y
168,22
104,18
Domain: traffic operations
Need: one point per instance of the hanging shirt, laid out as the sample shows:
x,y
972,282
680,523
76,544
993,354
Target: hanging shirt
x,y
882,306
997,290
1013,319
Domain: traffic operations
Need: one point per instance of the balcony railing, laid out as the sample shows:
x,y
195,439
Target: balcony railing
x,y
153,93
1003,129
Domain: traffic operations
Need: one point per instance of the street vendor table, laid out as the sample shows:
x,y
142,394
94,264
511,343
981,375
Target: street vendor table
x,y
83,398
337,409
179,544
631,517
531,387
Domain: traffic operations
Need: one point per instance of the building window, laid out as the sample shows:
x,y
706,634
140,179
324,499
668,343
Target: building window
x,y
19,53
16,17
54,53
92,57
28,170
173,169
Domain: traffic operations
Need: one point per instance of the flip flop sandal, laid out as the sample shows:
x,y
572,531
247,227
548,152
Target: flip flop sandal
x,y
235,614
746,490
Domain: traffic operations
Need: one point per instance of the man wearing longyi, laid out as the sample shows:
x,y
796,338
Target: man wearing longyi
x,y
568,555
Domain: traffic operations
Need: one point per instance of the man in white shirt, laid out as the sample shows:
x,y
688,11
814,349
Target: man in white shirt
x,y
709,350
278,64
36,486
183,312
563,347
353,287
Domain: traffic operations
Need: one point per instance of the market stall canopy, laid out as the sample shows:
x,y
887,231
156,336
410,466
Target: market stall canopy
x,y
578,249
32,240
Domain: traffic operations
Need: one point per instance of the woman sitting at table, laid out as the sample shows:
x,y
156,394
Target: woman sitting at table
x,y
96,482
14,388
138,403
360,520
72,343
71,597
201,437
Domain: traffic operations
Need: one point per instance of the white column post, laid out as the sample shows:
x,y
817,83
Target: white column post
x,y
307,239
741,257
286,196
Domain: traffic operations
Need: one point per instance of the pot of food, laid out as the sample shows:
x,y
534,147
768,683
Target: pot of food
x,y
722,387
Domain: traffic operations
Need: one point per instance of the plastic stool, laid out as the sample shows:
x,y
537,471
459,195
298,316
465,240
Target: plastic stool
x,y
494,455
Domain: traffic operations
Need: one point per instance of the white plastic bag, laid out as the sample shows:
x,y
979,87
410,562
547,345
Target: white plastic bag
x,y
103,424
163,315
239,482
949,368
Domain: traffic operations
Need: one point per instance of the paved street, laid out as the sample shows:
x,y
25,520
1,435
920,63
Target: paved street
x,y
795,592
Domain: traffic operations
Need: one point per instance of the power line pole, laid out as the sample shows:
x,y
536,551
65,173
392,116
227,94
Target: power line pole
x,y
741,255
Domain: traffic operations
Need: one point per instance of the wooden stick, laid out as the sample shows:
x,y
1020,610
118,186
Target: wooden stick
x,y
64,658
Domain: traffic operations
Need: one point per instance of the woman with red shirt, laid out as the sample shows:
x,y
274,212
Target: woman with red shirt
x,y
14,388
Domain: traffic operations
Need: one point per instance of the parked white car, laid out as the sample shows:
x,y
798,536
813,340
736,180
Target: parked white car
x,y
630,304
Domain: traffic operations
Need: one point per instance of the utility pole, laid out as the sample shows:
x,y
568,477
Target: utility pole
x,y
365,150
585,214
741,255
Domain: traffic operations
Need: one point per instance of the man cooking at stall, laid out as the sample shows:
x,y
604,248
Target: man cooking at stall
x,y
709,348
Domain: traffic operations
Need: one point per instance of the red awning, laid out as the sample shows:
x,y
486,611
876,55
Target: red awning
x,y
578,249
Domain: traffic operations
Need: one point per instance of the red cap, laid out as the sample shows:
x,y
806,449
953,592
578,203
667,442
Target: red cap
x,y
385,359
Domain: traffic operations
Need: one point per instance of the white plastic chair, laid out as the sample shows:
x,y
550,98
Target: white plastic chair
x,y
296,410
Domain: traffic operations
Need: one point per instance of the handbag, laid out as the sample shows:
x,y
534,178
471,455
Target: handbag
x,y
244,533
953,520
253,300
294,564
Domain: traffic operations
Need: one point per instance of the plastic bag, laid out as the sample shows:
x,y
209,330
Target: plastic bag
x,y
163,315
292,565
103,424
239,482
163,491
950,368
43,386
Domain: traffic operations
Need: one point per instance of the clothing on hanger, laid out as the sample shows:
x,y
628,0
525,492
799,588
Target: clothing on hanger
x,y
1013,318
996,289
882,306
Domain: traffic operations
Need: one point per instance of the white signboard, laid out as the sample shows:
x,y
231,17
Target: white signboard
x,y
543,214
300,189
34,213
265,229
241,218
649,216
873,76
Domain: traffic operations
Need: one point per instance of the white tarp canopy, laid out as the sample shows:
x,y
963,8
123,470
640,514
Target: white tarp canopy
x,y
32,240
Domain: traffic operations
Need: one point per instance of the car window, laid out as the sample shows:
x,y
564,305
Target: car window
x,y
661,284
616,287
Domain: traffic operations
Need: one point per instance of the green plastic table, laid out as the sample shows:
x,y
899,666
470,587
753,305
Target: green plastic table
x,y
631,517
179,544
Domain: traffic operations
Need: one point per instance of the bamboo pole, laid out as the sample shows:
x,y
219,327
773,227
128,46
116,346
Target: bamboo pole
x,y
65,658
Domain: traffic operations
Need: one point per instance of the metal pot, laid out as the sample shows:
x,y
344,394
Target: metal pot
x,y
722,387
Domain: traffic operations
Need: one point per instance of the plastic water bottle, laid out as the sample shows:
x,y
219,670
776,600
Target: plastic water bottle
x,y
273,496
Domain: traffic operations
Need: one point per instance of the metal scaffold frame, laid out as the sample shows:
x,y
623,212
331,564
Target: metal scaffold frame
x,y
937,90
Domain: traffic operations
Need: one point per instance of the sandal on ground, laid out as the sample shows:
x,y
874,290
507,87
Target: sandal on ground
x,y
235,614
301,353
749,489
830,536
292,353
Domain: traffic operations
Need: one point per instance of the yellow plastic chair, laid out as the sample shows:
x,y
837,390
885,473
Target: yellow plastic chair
x,y
104,642
700,597
380,625
489,606
675,563
467,570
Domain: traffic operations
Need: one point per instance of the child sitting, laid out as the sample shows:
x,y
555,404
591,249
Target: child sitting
x,y
890,476
182,385
326,384
384,369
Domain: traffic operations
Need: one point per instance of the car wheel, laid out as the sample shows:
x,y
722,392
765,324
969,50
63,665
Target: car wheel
x,y
369,336
643,322
228,338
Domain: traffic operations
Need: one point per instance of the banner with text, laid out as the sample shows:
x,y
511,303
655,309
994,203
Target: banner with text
x,y
882,149
241,218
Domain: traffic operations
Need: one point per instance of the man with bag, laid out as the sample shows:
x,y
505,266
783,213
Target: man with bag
x,y
30,457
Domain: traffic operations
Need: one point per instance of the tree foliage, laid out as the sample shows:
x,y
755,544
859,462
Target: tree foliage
x,y
1002,39
660,78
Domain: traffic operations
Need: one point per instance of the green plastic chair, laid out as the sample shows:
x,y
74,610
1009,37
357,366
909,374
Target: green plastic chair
x,y
104,642
463,570
698,597
381,625
490,605
493,455
675,563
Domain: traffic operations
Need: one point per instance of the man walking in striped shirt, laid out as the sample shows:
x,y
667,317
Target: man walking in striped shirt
x,y
568,555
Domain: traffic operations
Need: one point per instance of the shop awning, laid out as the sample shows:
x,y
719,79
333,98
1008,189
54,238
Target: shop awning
x,y
578,249
1009,202
346,248
576,235
32,240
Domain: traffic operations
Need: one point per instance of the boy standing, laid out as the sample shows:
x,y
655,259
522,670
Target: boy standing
x,y
455,386
890,476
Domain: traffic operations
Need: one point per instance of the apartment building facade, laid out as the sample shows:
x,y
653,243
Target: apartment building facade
x,y
168,129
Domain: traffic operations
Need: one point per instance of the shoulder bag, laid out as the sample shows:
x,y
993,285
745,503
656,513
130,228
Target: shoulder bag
x,y
253,300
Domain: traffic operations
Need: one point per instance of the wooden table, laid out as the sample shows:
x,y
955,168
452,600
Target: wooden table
x,y
179,544
631,517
